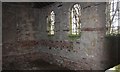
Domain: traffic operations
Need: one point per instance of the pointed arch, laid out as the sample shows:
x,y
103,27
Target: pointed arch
x,y
75,21
51,23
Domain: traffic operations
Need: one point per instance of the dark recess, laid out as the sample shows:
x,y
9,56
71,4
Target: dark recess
x,y
30,4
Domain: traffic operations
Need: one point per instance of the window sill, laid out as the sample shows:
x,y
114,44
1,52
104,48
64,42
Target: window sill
x,y
50,35
74,37
108,35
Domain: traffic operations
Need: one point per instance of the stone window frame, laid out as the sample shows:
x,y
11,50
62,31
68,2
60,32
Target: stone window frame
x,y
78,31
70,34
51,23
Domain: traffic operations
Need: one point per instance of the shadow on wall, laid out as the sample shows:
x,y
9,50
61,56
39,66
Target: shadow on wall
x,y
113,48
32,65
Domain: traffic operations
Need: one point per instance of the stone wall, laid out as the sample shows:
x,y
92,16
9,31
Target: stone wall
x,y
87,51
18,28
25,36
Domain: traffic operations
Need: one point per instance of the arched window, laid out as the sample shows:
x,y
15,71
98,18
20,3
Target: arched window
x,y
51,23
75,22
113,16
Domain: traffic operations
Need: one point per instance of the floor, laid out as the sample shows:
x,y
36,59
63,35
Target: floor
x,y
42,65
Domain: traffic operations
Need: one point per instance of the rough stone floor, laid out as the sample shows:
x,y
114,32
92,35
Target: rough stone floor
x,y
42,65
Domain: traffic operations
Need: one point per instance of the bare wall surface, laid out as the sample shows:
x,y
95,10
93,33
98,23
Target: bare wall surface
x,y
25,36
18,23
87,51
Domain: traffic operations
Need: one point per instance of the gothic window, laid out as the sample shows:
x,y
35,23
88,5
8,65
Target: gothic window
x,y
51,23
75,23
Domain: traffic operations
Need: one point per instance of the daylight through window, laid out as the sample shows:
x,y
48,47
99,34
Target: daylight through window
x,y
75,23
113,17
50,23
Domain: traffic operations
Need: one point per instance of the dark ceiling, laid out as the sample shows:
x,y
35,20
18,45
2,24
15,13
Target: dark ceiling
x,y
30,4
41,4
